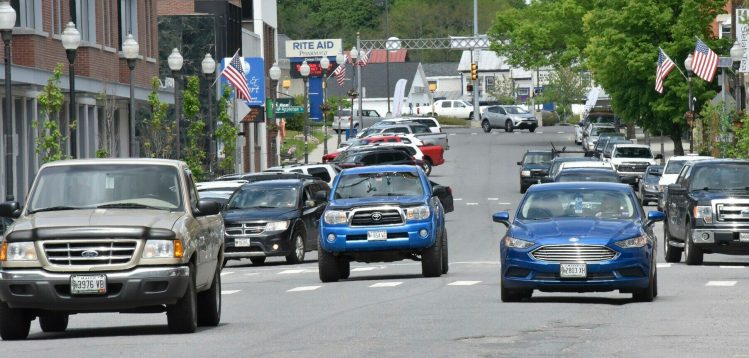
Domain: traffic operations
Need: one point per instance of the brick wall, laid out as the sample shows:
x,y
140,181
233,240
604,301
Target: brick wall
x,y
176,7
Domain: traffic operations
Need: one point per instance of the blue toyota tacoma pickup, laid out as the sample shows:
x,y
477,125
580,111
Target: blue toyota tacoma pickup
x,y
382,214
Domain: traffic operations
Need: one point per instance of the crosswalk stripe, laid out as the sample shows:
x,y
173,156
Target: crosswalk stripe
x,y
385,284
662,265
303,288
286,272
227,273
721,283
463,283
229,292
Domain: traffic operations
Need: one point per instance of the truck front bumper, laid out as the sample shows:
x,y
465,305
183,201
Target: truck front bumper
x,y
725,241
402,237
139,287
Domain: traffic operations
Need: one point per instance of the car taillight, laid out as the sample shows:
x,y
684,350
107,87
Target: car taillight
x,y
450,190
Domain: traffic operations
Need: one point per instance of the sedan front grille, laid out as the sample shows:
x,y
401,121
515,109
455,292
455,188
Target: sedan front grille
x,y
573,253
376,216
90,252
244,229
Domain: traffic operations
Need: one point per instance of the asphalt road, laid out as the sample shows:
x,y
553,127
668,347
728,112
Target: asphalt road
x,y
389,310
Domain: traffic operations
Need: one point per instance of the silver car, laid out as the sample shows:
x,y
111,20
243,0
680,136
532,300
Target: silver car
x,y
509,118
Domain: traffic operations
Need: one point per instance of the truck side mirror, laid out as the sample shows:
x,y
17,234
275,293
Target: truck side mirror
x,y
520,163
10,209
438,190
676,189
320,196
208,207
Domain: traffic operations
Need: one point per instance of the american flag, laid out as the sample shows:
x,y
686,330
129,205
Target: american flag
x,y
340,72
665,65
235,75
704,62
364,57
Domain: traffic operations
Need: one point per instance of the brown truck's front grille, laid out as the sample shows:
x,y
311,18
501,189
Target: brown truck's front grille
x,y
89,252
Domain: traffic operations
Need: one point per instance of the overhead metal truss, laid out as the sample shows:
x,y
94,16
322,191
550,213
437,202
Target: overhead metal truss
x,y
448,43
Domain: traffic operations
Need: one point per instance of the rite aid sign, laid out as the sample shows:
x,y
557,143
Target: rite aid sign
x,y
313,48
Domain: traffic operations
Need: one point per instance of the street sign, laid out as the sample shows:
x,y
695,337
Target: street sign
x,y
281,109
725,62
313,48
256,114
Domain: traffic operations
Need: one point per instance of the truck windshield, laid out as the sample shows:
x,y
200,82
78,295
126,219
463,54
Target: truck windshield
x,y
674,166
537,158
721,177
264,197
633,152
105,185
368,185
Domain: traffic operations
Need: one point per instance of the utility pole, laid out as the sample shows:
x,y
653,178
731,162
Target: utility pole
x,y
476,110
358,80
387,58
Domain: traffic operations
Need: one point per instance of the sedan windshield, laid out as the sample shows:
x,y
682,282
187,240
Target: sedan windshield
x,y
633,152
264,197
111,186
379,184
580,203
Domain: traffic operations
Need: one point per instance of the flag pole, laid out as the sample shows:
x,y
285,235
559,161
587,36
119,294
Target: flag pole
x,y
222,70
677,67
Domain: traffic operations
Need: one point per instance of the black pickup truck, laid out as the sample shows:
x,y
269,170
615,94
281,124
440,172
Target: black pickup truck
x,y
534,167
707,211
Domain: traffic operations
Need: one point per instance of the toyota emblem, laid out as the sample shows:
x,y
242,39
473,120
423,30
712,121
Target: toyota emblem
x,y
376,216
89,253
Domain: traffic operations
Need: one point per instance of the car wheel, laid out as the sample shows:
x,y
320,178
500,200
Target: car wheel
x,y
648,293
344,267
532,129
523,189
182,316
509,295
327,265
257,260
296,256
445,262
14,323
426,165
486,126
671,253
655,283
470,116
53,322
431,259
508,126
692,254
209,303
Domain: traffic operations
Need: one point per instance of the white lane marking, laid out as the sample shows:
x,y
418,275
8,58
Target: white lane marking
x,y
360,269
560,132
385,284
251,274
463,283
492,199
303,288
229,292
505,203
458,199
472,204
721,283
227,273
452,134
732,267
539,132
286,272
662,265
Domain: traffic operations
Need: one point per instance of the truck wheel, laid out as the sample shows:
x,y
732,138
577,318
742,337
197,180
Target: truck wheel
x,y
53,322
508,295
344,267
209,303
523,189
508,126
445,263
14,323
296,256
470,116
327,265
692,254
257,260
182,317
426,165
671,253
431,259
648,293
532,129
486,126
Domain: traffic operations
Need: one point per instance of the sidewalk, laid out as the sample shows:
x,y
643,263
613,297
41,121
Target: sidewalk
x,y
655,144
315,155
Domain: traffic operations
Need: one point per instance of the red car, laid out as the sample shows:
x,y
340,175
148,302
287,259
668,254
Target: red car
x,y
433,154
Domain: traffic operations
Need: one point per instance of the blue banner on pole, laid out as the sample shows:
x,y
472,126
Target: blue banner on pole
x,y
255,79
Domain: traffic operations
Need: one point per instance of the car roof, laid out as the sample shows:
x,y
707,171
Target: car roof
x,y
574,159
709,162
252,177
224,184
277,183
579,185
380,168
586,164
544,151
690,157
587,170
631,145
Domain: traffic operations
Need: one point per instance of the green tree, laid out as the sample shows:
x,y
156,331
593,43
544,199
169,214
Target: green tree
x,y
505,91
194,154
157,134
226,133
50,140
565,88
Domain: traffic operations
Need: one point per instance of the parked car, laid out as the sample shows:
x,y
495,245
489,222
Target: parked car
x,y
323,171
419,131
253,177
111,235
671,171
578,237
219,191
604,139
631,160
707,210
358,142
534,167
431,122
342,119
606,154
509,118
556,163
274,218
368,156
453,108
595,116
648,188
382,213
591,133
587,175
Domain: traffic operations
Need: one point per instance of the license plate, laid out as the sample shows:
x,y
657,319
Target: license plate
x,y
573,271
88,284
744,236
377,235
241,242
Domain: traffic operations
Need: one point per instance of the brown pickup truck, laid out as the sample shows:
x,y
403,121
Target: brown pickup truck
x,y
111,235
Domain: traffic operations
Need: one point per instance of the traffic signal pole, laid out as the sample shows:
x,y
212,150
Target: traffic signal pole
x,y
476,110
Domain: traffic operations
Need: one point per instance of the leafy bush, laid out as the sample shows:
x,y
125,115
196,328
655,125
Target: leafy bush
x,y
574,119
549,118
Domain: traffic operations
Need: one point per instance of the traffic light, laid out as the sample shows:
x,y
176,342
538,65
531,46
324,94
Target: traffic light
x,y
474,71
469,88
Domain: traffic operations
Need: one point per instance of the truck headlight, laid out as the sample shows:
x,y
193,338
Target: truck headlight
x,y
651,187
704,213
277,225
18,251
162,249
634,242
517,243
334,217
417,213
525,173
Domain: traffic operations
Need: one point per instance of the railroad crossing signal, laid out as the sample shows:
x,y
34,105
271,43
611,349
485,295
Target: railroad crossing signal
x,y
474,71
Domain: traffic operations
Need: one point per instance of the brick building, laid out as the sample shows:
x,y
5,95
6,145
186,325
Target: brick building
x,y
99,68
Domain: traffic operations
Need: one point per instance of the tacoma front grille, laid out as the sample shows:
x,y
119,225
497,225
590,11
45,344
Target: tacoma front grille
x,y
376,216
90,252
573,253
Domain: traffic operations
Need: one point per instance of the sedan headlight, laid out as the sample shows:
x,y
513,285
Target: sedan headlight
x,y
334,217
417,213
634,242
517,243
162,249
704,213
277,225
525,173
18,251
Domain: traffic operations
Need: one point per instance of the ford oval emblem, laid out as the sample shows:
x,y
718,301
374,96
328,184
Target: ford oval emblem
x,y
90,253
376,216
574,239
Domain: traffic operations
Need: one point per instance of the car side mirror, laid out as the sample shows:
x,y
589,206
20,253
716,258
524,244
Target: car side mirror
x,y
10,209
676,189
208,207
502,217
438,190
520,163
655,216
319,196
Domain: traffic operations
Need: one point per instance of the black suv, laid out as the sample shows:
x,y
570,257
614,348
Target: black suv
x,y
534,167
366,156
707,211
274,218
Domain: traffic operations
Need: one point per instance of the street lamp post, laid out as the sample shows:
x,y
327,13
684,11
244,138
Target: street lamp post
x,y
175,61
7,22
688,67
304,71
737,54
275,74
354,53
71,39
325,63
432,89
130,49
339,59
208,66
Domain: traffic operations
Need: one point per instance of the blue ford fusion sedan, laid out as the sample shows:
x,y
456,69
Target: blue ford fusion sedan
x,y
579,237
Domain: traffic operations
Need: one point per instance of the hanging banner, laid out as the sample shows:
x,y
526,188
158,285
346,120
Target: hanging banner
x,y
742,35
400,92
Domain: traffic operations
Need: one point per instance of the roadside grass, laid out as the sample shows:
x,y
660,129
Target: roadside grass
x,y
452,121
291,140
